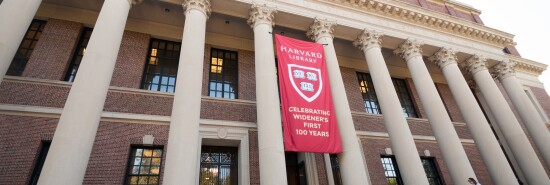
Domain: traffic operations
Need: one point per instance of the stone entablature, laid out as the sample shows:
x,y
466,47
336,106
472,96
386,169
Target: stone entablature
x,y
528,66
429,18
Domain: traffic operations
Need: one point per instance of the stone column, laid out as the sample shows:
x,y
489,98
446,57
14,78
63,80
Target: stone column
x,y
512,131
351,161
182,155
74,137
15,18
493,156
270,135
402,141
447,139
527,111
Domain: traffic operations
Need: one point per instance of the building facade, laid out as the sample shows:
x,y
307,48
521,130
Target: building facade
x,y
186,92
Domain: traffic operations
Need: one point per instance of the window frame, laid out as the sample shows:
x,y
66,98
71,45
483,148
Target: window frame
x,y
131,162
19,62
370,92
436,172
39,163
391,158
222,80
78,54
168,88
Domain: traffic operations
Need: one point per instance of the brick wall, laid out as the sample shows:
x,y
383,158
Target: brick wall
x,y
52,54
20,142
247,75
253,157
321,169
351,84
131,59
33,94
450,104
415,98
543,99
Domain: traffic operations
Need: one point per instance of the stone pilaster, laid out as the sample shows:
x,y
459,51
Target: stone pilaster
x,y
486,142
401,137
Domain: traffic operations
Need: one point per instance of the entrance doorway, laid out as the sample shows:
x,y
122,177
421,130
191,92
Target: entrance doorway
x,y
219,166
295,169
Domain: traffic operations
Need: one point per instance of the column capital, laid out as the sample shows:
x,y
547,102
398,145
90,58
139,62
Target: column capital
x,y
444,57
475,64
134,2
320,29
410,48
261,14
200,5
504,69
368,39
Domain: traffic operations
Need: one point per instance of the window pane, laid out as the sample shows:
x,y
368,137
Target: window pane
x,y
162,64
404,97
26,48
79,53
143,167
223,74
391,170
370,100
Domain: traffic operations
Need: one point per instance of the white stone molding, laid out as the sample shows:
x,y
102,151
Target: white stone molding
x,y
431,19
427,153
528,66
504,69
444,57
200,5
148,139
261,14
409,48
134,2
320,29
476,64
328,168
311,169
235,134
368,39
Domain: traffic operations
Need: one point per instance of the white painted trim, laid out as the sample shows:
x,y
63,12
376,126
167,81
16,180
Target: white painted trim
x,y
241,135
415,137
328,168
536,103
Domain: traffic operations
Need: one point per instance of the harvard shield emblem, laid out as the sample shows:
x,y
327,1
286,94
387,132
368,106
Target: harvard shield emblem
x,y
306,81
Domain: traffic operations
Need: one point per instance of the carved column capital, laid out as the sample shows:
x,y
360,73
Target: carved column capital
x,y
504,69
261,14
444,57
134,2
475,64
368,39
409,48
200,5
320,29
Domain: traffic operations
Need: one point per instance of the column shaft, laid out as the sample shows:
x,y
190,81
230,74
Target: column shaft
x,y
15,18
529,114
351,159
403,146
512,131
493,156
183,148
447,139
74,137
270,136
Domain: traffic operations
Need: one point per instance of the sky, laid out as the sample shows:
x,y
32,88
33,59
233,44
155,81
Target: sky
x,y
525,19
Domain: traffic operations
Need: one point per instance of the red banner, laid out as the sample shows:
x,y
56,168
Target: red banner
x,y
308,111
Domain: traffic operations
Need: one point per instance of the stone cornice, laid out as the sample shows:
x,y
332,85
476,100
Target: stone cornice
x,y
504,69
444,57
409,48
200,5
320,29
368,39
431,19
261,14
528,66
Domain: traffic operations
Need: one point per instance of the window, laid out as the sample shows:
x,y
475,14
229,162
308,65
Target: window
x,y
391,170
218,166
144,165
369,96
431,170
40,162
78,54
161,69
26,47
370,100
335,169
223,74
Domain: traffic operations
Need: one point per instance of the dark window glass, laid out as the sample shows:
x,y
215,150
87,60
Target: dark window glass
x,y
223,74
391,170
161,69
431,170
219,166
144,165
404,97
335,169
26,47
40,162
78,54
370,101
369,96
